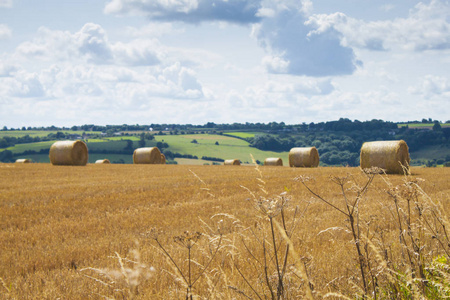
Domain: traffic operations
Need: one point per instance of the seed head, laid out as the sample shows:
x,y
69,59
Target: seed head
x,y
188,239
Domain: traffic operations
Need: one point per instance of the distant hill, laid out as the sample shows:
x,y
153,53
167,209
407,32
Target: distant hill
x,y
338,141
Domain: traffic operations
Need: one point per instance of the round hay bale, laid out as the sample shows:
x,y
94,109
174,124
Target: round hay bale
x,y
304,157
163,159
273,161
69,153
232,162
147,155
391,156
102,161
23,161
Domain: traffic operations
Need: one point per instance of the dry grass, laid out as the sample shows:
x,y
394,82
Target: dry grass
x,y
89,232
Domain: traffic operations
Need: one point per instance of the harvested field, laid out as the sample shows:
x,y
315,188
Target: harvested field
x,y
60,225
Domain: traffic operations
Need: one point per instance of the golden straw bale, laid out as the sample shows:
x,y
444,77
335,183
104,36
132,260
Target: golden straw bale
x,y
71,153
232,162
306,157
102,161
391,156
273,161
147,155
23,161
163,159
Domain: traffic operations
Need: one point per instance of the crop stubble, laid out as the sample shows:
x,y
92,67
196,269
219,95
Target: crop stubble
x,y
56,220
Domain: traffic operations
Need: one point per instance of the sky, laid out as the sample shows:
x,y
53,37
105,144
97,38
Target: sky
x,y
115,62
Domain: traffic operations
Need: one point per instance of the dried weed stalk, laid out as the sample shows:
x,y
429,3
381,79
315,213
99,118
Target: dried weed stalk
x,y
269,249
126,279
188,240
416,267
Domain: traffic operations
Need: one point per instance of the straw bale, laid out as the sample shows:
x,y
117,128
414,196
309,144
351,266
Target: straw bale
x,y
102,161
147,155
273,161
71,153
163,159
391,156
23,161
232,162
305,157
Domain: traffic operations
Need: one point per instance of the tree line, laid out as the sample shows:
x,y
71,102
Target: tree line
x,y
338,141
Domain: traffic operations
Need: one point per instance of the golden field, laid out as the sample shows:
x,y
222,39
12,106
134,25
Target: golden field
x,y
119,232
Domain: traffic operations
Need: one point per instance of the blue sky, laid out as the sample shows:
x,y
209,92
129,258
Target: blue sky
x,y
70,63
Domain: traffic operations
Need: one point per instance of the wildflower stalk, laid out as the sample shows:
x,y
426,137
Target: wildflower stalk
x,y
280,278
352,213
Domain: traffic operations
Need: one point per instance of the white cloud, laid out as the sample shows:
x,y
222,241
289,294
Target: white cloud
x,y
426,28
284,95
93,43
192,11
432,86
387,7
112,82
5,32
90,44
6,69
23,84
153,29
86,68
137,52
6,3
294,51
276,64
155,7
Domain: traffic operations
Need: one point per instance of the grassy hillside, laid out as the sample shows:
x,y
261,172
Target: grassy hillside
x,y
227,148
422,125
20,148
242,134
40,133
431,152
95,146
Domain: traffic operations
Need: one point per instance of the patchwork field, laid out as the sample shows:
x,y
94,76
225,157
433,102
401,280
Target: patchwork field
x,y
120,232
227,148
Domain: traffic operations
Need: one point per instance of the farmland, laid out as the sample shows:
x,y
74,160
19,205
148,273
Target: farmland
x,y
227,148
338,142
95,232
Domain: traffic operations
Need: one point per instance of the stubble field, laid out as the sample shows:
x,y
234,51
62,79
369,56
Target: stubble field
x,y
217,232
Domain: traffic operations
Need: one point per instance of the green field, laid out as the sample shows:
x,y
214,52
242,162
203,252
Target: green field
x,y
210,145
113,158
41,133
243,135
421,125
19,148
431,152
122,138
94,145
228,148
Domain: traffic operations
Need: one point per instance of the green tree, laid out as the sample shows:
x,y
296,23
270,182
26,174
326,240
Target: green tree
x,y
142,141
437,126
60,135
6,156
129,146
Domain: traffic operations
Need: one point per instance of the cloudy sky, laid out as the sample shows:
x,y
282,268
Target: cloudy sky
x,y
104,62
